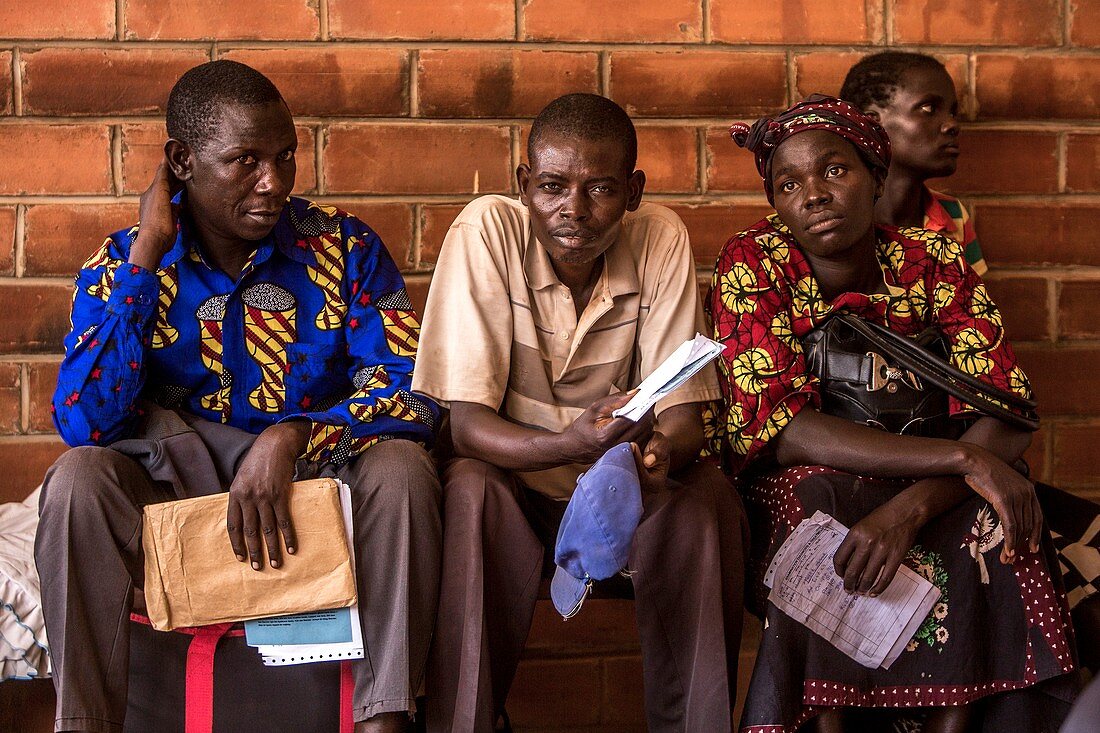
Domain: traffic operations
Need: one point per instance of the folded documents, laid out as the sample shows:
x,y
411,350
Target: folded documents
x,y
680,366
192,577
317,636
872,631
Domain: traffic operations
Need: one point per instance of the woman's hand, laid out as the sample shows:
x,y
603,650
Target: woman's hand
x,y
1013,498
870,555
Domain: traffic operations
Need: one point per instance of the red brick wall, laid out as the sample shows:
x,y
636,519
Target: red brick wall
x,y
406,108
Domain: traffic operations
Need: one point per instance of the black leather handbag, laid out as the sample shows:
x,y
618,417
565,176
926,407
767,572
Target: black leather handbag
x,y
869,374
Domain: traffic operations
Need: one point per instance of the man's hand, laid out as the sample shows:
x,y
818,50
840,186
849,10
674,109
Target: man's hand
x,y
1012,497
595,431
870,555
653,462
157,227
258,497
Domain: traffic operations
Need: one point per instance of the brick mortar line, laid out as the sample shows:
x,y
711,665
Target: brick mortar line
x,y
1053,295
971,83
320,139
323,21
417,235
1057,346
30,438
16,82
1061,150
520,26
684,197
412,58
32,358
65,281
537,45
1061,273
116,160
19,266
1083,126
603,70
120,20
791,78
706,31
702,180
1067,21
24,399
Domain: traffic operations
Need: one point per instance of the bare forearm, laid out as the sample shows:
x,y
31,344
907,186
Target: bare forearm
x,y
490,438
813,438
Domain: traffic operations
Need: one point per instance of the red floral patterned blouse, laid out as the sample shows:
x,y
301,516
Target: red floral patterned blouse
x,y
764,299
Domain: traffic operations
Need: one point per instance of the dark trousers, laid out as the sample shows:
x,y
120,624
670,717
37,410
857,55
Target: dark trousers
x,y
89,557
687,564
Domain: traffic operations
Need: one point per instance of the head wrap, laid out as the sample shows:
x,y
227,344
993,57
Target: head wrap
x,y
816,112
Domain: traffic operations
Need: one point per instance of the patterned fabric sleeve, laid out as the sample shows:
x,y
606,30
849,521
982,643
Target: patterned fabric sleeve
x,y
381,330
102,374
764,376
969,319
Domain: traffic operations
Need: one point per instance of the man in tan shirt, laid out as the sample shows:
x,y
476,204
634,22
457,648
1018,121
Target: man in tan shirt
x,y
542,313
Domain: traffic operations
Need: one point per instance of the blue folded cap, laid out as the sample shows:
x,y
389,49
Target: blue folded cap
x,y
598,528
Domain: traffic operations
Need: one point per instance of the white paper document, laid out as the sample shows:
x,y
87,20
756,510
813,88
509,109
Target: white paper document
x,y
804,585
680,366
319,636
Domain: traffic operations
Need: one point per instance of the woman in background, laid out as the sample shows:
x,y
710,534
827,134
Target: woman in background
x,y
913,97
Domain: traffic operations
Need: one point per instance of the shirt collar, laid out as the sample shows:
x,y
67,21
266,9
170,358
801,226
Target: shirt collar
x,y
936,217
619,270
283,236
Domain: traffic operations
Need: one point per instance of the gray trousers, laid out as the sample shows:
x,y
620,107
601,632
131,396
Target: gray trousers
x,y
687,564
89,557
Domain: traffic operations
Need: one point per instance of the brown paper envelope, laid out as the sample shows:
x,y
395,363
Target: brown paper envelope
x,y
192,577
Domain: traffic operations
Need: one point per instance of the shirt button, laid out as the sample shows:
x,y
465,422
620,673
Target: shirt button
x,y
144,299
565,295
564,335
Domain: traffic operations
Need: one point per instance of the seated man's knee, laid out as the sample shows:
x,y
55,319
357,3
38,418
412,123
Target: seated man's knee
x,y
83,474
397,471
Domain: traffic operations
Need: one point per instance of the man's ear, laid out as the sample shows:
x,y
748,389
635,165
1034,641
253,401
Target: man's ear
x,y
637,186
523,176
179,157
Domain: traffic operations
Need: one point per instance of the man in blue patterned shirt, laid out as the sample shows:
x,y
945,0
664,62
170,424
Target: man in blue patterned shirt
x,y
278,326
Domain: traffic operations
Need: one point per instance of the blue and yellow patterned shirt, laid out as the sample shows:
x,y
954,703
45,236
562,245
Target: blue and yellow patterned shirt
x,y
318,326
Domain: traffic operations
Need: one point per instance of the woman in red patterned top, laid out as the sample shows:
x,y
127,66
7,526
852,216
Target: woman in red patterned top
x,y
1000,628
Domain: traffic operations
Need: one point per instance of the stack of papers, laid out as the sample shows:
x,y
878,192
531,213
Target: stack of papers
x,y
680,366
804,585
193,579
319,636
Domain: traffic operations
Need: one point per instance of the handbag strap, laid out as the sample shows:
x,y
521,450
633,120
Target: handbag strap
x,y
985,397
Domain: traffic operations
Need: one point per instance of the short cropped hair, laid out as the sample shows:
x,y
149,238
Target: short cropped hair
x,y
197,98
874,79
586,117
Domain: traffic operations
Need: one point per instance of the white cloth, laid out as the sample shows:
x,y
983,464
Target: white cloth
x,y
23,649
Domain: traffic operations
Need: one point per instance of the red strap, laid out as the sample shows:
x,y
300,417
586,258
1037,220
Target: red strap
x,y
198,699
347,690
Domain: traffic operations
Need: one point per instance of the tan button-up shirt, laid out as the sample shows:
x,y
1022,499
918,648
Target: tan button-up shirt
x,y
500,329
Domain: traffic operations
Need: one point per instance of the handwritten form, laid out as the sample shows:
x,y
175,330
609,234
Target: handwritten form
x,y
804,585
